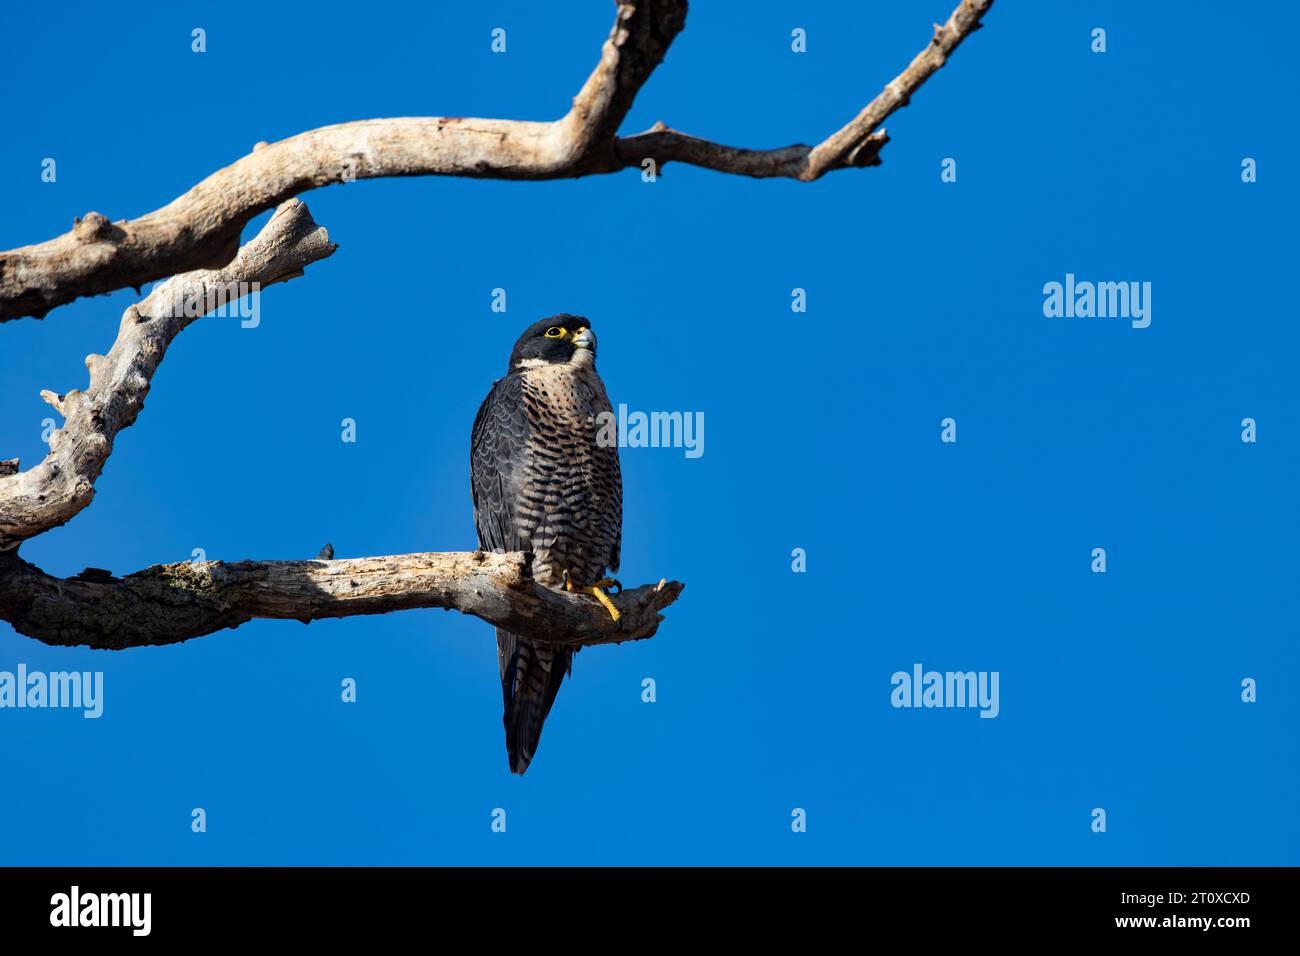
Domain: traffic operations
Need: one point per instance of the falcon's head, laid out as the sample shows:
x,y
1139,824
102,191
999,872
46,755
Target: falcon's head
x,y
562,339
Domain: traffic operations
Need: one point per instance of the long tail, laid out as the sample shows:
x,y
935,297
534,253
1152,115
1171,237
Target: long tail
x,y
531,674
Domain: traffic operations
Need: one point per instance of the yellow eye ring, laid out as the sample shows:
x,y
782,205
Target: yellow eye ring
x,y
555,332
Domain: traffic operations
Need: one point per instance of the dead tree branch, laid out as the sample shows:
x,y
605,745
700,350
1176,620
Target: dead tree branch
x,y
201,229
169,603
857,144
49,494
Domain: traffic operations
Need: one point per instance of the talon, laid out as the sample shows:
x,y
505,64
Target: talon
x,y
595,590
603,598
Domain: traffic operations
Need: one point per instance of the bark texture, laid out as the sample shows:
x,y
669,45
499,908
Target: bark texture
x,y
51,493
169,603
201,229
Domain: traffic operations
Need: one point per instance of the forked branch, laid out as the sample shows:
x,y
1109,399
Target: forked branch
x,y
201,229
52,492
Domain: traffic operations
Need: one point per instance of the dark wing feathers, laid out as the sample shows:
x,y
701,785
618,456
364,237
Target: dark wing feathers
x,y
498,447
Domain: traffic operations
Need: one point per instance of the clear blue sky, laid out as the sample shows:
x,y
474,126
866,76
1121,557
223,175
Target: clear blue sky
x,y
1119,691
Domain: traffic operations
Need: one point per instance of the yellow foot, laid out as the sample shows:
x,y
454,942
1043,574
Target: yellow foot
x,y
597,591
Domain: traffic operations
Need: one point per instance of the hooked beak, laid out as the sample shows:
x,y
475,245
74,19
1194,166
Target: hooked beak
x,y
585,339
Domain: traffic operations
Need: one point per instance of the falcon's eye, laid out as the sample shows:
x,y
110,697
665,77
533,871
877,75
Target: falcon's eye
x,y
555,332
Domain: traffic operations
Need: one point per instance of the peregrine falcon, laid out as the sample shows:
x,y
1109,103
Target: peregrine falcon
x,y
543,483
